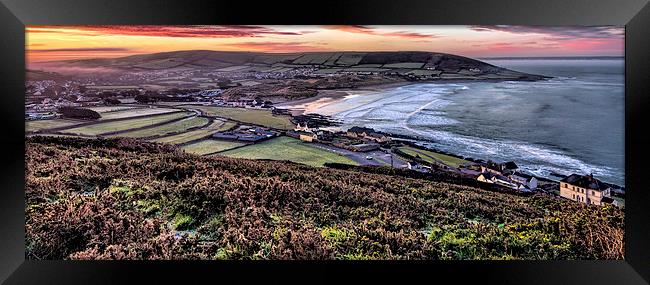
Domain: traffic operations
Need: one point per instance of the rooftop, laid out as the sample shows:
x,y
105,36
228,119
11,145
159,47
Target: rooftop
x,y
585,181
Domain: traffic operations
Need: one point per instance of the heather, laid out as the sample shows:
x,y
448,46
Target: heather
x,y
124,199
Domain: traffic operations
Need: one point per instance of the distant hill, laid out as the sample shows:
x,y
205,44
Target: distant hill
x,y
42,75
417,63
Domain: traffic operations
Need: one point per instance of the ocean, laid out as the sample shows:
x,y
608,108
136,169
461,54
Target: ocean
x,y
572,123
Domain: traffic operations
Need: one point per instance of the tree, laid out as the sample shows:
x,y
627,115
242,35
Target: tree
x,y
224,83
79,113
111,101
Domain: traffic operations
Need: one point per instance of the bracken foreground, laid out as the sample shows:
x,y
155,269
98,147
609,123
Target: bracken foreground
x,y
124,199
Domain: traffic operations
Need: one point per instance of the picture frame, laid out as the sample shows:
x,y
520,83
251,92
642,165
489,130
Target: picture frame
x,y
633,14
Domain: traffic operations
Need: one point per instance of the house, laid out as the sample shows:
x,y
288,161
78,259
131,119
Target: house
x,y
324,135
300,128
530,183
489,177
302,135
358,132
585,189
503,181
485,177
307,137
245,133
367,133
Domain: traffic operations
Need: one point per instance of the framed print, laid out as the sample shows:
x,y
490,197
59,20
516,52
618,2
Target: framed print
x,y
231,139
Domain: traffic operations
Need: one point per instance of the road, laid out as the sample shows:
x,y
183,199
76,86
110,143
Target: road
x,y
379,157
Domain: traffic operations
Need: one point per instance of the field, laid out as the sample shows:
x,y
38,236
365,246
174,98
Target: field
x,y
125,199
171,128
32,126
105,109
420,72
274,58
112,87
286,148
251,116
350,58
210,146
161,64
123,125
315,58
404,65
196,134
232,68
136,112
365,69
433,157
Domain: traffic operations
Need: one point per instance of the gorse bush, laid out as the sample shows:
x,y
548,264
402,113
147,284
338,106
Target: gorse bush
x,y
123,199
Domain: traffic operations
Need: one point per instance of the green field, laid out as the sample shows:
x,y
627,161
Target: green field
x,y
404,65
105,109
233,68
433,157
210,146
286,148
116,126
135,112
171,128
251,116
196,134
350,58
32,126
112,87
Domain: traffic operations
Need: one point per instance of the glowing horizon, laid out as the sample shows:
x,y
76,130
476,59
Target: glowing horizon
x,y
51,43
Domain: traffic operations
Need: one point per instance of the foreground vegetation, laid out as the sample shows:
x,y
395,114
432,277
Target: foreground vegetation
x,y
124,199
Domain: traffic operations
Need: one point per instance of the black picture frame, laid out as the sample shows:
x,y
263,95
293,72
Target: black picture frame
x,y
634,14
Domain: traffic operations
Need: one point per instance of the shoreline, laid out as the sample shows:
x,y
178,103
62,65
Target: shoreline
x,y
327,97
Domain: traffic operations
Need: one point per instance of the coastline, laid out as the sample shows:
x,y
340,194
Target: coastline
x,y
332,96
329,96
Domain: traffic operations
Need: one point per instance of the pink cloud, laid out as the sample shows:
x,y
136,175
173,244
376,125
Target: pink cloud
x,y
277,46
371,31
170,31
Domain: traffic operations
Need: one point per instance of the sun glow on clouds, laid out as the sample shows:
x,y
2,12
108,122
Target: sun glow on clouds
x,y
46,43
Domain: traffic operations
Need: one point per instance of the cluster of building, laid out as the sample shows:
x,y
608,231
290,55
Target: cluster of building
x,y
246,134
355,139
47,109
504,174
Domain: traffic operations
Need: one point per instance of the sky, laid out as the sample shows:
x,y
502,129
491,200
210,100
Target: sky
x,y
50,43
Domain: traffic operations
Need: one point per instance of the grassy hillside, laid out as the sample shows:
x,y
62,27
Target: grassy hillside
x,y
123,199
233,61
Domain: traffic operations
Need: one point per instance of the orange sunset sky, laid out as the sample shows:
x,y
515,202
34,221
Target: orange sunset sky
x,y
48,43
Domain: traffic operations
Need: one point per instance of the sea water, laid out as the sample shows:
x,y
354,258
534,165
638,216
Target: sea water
x,y
571,123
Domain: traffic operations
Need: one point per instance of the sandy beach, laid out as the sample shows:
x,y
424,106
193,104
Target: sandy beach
x,y
326,97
